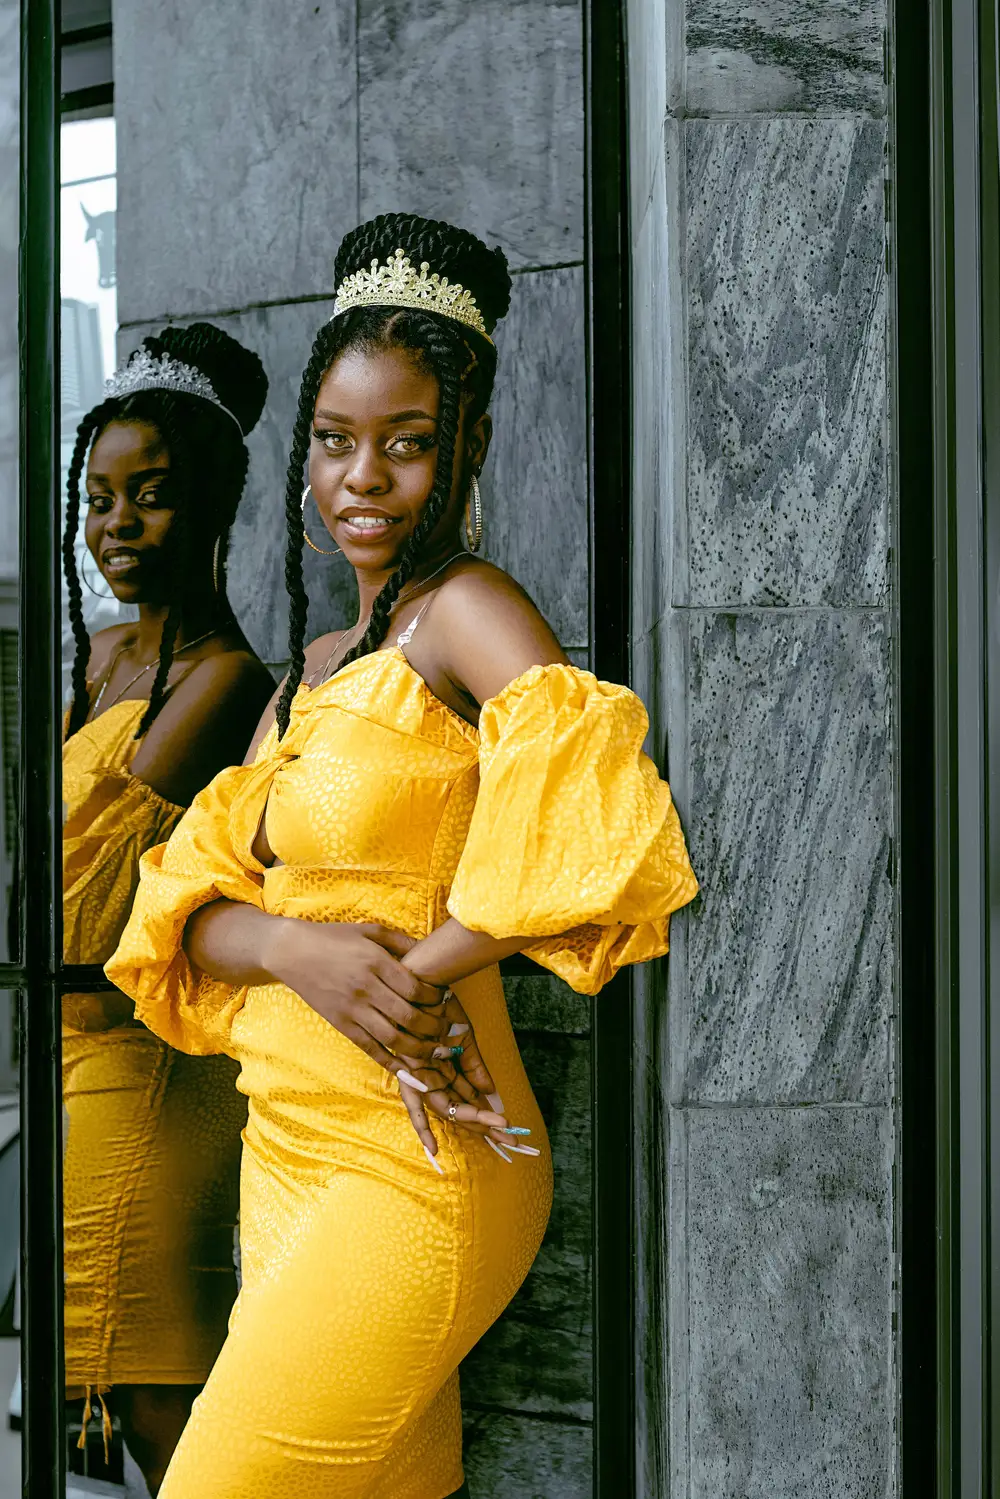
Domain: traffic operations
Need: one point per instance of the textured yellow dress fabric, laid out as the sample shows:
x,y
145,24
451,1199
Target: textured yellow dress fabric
x,y
151,1170
367,1277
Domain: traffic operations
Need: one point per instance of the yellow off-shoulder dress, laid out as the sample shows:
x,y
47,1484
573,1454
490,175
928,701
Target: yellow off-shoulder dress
x,y
367,1277
151,1169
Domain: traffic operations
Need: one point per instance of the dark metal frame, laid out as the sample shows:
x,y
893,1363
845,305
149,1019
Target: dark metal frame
x,y
949,382
609,367
40,976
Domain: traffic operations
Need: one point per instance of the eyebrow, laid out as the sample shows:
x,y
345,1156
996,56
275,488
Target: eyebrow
x,y
397,416
142,473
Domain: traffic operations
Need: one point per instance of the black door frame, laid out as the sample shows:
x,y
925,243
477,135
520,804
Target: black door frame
x,y
40,976
946,242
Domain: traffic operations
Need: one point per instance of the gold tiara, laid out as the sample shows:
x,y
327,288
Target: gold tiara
x,y
397,284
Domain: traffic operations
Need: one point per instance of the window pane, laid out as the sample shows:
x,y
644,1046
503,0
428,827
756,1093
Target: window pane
x,y
88,328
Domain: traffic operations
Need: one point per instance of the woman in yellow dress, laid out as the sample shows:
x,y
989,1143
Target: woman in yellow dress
x,y
159,706
440,769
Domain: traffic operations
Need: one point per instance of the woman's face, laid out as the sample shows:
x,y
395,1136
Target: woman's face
x,y
129,511
373,455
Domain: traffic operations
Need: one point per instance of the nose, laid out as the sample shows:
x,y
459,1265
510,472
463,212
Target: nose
x,y
366,473
123,520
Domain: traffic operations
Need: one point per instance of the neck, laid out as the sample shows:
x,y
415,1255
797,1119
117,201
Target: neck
x,y
198,615
371,582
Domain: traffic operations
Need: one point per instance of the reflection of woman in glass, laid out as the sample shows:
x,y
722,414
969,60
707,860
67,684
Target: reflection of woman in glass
x,y
438,769
159,706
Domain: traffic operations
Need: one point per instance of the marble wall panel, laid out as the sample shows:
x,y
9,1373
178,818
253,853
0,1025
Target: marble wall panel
x,y
237,152
787,488
10,53
766,56
538,1357
789,1293
545,1004
474,113
521,1457
535,481
647,61
787,988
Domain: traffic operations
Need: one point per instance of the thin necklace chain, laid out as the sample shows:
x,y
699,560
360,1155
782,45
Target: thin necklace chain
x,y
401,600
188,645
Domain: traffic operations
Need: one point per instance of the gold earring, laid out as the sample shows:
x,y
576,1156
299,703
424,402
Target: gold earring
x,y
323,551
474,516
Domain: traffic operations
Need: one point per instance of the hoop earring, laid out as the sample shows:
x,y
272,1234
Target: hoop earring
x,y
474,516
83,574
215,564
323,551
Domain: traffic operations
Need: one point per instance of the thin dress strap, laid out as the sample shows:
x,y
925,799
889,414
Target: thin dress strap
x,y
407,634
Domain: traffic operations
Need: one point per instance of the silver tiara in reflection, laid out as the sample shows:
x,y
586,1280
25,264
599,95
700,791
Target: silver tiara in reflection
x,y
144,371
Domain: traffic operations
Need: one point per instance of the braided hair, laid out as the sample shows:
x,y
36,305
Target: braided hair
x,y
463,362
207,454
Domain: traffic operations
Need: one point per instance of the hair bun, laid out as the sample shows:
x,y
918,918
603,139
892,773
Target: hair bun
x,y
449,251
236,373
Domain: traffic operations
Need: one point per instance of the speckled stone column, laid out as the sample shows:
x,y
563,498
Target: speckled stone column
x,y
763,645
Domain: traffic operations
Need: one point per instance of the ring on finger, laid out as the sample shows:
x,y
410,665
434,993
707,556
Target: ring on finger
x,y
453,1112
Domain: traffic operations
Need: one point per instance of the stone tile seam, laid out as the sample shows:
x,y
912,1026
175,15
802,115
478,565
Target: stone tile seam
x,y
307,297
721,1106
768,116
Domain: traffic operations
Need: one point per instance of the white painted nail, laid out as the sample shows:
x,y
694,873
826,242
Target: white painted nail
x,y
499,1150
524,1149
458,1030
412,1082
495,1102
433,1160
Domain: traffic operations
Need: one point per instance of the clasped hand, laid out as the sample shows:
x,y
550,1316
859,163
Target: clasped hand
x,y
351,975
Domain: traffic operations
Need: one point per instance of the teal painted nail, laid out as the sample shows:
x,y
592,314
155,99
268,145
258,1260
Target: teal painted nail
x,y
516,1129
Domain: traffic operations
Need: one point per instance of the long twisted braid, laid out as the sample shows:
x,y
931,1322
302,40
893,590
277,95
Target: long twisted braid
x,y
463,362
81,656
323,353
171,430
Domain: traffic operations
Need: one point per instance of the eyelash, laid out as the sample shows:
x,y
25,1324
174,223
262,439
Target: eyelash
x,y
423,441
147,496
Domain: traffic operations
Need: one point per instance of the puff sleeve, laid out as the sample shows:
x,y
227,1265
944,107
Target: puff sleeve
x,y
574,839
199,864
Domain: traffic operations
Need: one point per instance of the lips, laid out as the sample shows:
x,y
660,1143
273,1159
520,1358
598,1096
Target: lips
x,y
119,560
366,525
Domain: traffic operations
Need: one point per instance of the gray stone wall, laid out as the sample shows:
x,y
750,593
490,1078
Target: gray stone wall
x,y
245,152
763,645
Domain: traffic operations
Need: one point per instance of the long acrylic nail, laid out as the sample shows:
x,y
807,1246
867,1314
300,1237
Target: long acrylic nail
x,y
458,1030
434,1162
412,1082
440,1052
498,1148
524,1149
515,1129
495,1102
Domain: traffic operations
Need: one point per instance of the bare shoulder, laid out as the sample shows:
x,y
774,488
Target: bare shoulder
x,y
487,630
232,671
483,599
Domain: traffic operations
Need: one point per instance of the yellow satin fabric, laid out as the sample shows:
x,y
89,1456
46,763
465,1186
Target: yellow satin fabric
x,y
368,1276
150,1174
